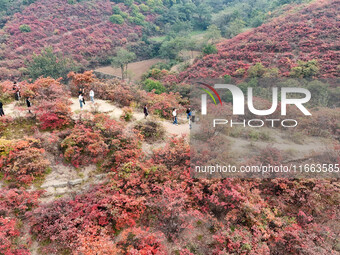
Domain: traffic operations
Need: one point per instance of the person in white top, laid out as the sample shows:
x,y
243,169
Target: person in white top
x,y
174,114
81,101
92,95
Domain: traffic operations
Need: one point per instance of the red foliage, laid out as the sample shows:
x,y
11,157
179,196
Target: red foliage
x,y
90,243
14,203
65,221
81,31
81,81
175,154
139,241
305,34
50,102
162,105
84,146
22,161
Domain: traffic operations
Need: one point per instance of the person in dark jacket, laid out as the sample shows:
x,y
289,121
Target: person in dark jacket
x,y
1,109
29,104
188,113
16,91
146,111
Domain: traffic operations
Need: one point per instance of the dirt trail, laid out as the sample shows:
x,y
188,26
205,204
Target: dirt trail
x,y
65,179
137,69
105,106
10,110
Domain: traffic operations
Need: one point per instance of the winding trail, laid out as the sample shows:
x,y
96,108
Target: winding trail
x,y
106,106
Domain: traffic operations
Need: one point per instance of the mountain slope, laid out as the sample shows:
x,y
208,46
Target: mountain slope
x,y
81,30
307,34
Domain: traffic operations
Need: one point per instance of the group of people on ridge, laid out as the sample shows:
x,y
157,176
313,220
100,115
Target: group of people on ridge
x,y
81,94
17,96
190,115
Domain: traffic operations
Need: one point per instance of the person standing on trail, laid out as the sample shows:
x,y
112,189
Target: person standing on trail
x,y
81,100
92,95
29,104
1,110
16,91
146,111
188,113
174,115
81,91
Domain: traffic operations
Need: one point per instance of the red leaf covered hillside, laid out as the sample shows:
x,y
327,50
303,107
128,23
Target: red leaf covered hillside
x,y
308,34
80,30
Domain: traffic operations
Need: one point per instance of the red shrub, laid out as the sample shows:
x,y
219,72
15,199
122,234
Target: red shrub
x,y
84,146
64,221
22,161
81,80
14,203
50,102
139,241
162,105
175,153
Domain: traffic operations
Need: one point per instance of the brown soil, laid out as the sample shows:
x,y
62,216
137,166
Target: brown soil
x,y
137,69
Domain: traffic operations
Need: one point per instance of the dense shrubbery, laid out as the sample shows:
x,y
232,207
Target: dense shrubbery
x,y
22,161
14,203
150,204
65,28
152,85
84,146
48,64
51,103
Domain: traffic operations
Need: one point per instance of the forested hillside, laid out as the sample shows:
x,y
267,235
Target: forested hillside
x,y
301,39
88,33
103,166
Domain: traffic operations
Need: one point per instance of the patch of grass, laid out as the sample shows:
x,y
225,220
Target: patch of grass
x,y
158,38
197,33
18,128
6,98
295,137
235,132
39,180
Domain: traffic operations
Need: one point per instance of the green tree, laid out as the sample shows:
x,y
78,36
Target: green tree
x,y
117,19
170,49
202,16
48,64
213,33
116,10
150,85
234,28
122,59
128,2
319,90
209,49
4,4
25,28
257,70
305,69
